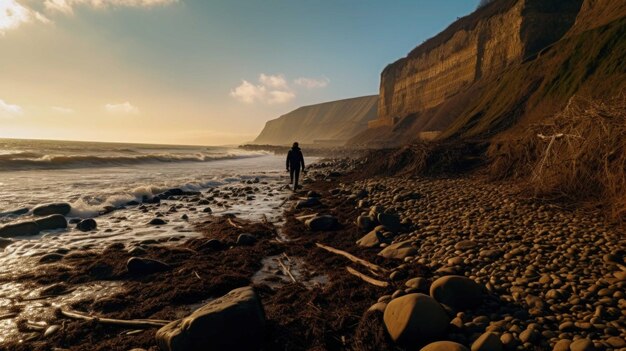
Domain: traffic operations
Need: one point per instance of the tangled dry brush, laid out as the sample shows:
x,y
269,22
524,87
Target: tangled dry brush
x,y
578,155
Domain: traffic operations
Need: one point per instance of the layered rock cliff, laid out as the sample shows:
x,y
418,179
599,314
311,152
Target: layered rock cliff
x,y
506,65
501,34
329,123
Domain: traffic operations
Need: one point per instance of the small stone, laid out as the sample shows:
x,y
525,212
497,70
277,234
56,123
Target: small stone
x,y
562,345
616,342
246,239
582,345
322,223
487,342
157,221
144,266
399,250
87,225
19,229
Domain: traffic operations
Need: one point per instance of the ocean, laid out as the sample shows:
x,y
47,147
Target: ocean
x,y
92,175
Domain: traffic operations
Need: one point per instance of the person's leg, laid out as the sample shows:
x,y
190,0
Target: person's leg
x,y
291,173
297,176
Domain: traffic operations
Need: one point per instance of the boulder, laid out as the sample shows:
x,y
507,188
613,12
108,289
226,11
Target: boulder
x,y
87,225
60,208
487,342
235,321
399,250
246,239
324,222
51,222
457,291
444,346
143,266
19,229
415,319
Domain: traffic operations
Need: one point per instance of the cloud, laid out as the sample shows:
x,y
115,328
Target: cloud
x,y
271,90
67,6
280,97
125,108
270,81
62,110
13,15
312,83
248,92
8,110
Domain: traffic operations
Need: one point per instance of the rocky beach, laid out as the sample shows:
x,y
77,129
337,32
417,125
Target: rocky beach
x,y
352,261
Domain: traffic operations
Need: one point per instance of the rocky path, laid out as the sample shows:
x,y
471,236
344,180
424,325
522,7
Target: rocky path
x,y
552,278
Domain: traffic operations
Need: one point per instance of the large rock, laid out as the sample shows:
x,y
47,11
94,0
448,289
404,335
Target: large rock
x,y
51,222
324,222
399,250
444,346
143,266
457,292
235,321
60,208
415,319
19,229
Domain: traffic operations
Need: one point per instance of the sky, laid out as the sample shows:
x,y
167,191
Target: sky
x,y
201,72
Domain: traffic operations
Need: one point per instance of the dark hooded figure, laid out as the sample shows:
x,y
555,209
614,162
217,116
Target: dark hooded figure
x,y
295,163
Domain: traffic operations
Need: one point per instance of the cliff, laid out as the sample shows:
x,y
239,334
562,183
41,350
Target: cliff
x,y
327,123
510,62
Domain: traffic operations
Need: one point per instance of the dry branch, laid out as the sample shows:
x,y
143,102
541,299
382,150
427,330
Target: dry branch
x,y
231,222
374,268
287,271
366,278
131,323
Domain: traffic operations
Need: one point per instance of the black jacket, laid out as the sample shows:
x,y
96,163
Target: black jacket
x,y
295,159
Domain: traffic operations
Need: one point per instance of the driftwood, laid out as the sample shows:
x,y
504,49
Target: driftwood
x,y
130,323
373,267
287,271
366,278
231,222
8,315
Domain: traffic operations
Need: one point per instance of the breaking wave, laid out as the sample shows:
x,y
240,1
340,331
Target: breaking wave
x,y
30,160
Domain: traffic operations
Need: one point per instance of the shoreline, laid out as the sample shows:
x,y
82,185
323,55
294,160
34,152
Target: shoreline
x,y
534,261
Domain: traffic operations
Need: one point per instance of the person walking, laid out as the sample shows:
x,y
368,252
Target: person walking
x,y
295,163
